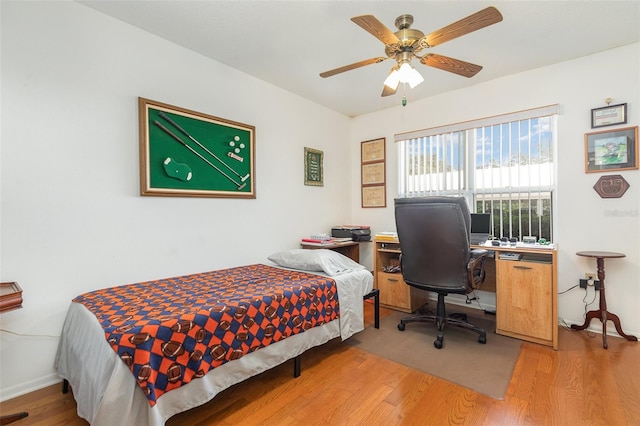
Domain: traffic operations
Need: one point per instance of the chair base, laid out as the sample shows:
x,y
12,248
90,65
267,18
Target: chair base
x,y
442,320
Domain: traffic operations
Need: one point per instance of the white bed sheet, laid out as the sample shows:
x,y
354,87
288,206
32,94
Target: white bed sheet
x,y
107,394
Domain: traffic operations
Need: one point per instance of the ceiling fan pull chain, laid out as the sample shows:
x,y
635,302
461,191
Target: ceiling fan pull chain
x,y
404,94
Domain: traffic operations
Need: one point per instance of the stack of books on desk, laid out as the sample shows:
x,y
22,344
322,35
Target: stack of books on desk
x,y
311,241
386,236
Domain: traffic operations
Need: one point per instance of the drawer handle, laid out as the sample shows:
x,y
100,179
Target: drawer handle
x,y
522,267
395,280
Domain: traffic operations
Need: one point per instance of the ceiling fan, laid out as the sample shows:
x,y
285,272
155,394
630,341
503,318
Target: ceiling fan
x,y
406,43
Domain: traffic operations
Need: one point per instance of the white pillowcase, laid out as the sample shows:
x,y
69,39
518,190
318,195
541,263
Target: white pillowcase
x,y
328,261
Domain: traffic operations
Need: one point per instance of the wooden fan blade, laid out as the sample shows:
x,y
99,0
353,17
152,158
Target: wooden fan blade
x,y
387,91
352,66
456,66
376,28
478,20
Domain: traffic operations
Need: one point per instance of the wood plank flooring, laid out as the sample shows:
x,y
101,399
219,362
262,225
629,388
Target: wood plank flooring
x,y
580,384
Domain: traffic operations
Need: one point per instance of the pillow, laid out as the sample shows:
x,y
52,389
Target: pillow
x,y
321,260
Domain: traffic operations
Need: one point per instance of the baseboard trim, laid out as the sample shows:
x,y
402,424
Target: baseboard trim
x,y
28,387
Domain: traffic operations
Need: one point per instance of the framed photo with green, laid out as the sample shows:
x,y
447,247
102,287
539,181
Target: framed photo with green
x,y
608,150
185,153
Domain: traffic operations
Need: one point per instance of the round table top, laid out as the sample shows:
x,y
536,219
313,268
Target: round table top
x,y
602,254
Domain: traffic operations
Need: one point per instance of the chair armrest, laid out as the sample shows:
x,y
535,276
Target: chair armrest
x,y
475,269
476,253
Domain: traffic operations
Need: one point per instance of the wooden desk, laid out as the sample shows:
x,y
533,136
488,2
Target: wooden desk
x,y
527,294
602,314
351,249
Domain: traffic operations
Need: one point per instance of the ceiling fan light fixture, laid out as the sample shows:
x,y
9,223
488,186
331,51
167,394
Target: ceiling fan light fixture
x,y
408,74
392,80
414,78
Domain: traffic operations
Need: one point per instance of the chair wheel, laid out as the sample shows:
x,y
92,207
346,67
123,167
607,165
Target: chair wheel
x,y
401,327
437,344
482,339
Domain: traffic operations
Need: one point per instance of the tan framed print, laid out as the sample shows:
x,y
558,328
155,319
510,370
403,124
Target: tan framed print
x,y
373,173
372,150
374,196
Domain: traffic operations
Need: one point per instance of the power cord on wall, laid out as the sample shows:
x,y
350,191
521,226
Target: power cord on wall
x,y
476,298
566,325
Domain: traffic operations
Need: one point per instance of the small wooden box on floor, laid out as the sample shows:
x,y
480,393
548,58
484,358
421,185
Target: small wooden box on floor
x,y
394,292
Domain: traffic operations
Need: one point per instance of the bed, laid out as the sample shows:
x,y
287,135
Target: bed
x,y
312,296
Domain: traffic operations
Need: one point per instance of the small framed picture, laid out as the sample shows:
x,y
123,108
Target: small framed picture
x,y
373,173
313,173
611,150
374,196
609,115
372,150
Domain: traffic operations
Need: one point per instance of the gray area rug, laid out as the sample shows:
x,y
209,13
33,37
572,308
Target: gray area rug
x,y
486,369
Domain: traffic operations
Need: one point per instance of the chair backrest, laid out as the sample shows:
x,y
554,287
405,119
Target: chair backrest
x,y
434,240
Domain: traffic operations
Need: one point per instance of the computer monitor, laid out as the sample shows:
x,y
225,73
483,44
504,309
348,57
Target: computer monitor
x,y
480,228
480,223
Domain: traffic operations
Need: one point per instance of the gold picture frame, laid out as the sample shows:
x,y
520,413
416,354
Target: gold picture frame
x,y
373,173
185,153
610,150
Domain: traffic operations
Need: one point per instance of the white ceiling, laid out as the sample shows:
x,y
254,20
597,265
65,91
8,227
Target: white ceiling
x,y
288,43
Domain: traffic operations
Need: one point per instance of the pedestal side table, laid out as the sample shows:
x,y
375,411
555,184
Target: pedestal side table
x,y
602,314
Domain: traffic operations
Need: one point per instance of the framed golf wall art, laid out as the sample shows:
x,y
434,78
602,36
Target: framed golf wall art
x,y
184,153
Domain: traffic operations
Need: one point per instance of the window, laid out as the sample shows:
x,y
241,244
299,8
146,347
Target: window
x,y
503,165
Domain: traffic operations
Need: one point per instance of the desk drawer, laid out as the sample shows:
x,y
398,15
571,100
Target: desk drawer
x,y
394,291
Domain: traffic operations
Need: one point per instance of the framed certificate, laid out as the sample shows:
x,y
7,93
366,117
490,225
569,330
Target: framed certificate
x,y
374,196
373,150
373,173
609,116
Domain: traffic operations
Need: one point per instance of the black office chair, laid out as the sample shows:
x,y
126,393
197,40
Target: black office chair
x,y
436,256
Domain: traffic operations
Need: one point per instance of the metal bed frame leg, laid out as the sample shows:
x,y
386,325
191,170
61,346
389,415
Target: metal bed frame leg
x,y
296,366
375,293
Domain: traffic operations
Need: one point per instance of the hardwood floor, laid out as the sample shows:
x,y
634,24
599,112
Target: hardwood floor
x,y
580,384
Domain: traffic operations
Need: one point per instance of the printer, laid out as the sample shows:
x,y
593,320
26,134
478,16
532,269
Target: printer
x,y
356,233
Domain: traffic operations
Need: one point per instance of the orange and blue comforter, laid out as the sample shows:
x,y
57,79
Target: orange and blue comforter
x,y
174,330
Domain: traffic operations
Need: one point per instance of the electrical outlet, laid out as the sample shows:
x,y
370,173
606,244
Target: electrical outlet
x,y
589,276
585,283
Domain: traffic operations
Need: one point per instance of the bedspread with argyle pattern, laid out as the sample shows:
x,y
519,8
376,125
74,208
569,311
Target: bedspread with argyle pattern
x,y
174,330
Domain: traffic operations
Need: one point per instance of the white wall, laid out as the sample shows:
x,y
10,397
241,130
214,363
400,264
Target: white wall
x,y
72,217
583,221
